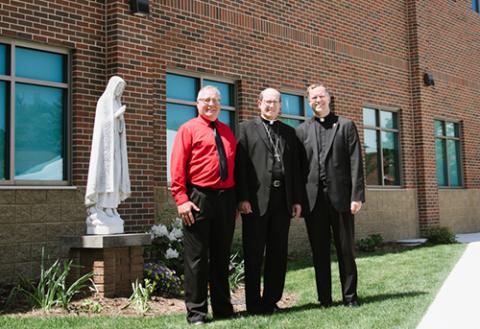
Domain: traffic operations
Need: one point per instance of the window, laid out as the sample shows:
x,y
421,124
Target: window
x,y
182,93
447,151
476,6
33,115
295,109
381,147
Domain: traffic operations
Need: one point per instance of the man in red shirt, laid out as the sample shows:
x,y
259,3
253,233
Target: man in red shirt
x,y
202,167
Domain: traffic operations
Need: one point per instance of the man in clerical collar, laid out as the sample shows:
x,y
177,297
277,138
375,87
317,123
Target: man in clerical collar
x,y
269,190
334,193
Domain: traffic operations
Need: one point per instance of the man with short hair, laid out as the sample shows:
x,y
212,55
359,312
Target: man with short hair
x,y
202,170
267,173
335,191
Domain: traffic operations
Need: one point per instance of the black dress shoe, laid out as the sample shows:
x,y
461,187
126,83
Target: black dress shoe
x,y
326,304
224,316
272,309
352,303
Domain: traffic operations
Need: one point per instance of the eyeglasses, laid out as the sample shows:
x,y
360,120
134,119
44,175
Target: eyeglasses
x,y
318,96
271,101
208,100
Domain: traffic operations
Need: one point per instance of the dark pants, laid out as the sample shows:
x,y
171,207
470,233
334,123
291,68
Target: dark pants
x,y
266,235
323,220
207,253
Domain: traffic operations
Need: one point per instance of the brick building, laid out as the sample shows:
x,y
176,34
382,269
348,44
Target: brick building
x,y
406,71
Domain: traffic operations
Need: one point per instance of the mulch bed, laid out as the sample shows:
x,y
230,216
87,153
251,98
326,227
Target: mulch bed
x,y
117,306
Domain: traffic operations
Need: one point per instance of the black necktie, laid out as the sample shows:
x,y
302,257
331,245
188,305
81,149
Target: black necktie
x,y
221,153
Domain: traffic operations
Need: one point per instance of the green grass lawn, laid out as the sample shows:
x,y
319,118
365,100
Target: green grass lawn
x,y
395,290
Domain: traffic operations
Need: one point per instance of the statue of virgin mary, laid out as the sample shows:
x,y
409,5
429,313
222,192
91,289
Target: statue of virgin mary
x,y
108,179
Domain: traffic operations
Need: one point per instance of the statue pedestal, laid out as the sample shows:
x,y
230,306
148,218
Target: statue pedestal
x,y
115,260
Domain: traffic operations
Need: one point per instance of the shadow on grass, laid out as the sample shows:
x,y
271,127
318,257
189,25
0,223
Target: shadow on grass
x,y
362,301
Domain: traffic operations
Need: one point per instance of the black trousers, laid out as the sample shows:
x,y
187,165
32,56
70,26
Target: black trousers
x,y
207,253
323,220
266,235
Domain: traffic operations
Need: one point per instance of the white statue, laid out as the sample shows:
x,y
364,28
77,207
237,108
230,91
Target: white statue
x,y
108,180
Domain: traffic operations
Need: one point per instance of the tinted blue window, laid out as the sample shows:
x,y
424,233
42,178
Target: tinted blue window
x,y
369,117
3,129
3,59
453,155
372,157
291,122
39,132
475,5
388,120
176,116
182,87
228,118
439,128
40,65
292,104
226,91
440,160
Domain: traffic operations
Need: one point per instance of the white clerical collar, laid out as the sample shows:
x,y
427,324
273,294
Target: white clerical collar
x,y
270,122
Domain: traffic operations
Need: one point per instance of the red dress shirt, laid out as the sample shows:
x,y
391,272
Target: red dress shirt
x,y
195,158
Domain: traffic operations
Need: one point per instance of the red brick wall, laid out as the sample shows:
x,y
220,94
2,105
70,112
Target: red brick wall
x,y
367,52
447,45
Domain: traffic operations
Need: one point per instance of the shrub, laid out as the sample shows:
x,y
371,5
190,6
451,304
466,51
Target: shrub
x,y
439,235
370,243
167,282
52,289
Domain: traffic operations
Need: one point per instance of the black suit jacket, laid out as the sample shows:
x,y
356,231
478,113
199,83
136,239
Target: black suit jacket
x,y
253,165
343,164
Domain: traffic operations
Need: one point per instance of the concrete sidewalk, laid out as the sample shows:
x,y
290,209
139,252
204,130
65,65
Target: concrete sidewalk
x,y
457,304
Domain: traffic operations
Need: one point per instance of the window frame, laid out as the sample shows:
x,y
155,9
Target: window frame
x,y
294,92
11,79
444,139
378,131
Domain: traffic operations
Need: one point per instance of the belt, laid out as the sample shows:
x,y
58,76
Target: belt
x,y
277,183
209,190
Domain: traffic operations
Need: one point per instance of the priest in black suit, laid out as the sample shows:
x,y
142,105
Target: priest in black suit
x,y
269,192
335,193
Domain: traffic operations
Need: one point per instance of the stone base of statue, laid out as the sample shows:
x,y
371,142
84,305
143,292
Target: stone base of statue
x,y
100,222
115,260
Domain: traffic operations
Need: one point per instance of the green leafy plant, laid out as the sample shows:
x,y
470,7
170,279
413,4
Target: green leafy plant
x,y
440,235
52,289
92,306
141,295
370,243
236,271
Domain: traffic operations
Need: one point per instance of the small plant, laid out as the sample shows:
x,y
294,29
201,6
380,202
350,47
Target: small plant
x,y
167,282
52,289
439,235
92,306
236,271
370,243
141,295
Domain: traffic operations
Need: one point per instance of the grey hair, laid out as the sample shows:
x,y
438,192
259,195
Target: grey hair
x,y
260,96
208,87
